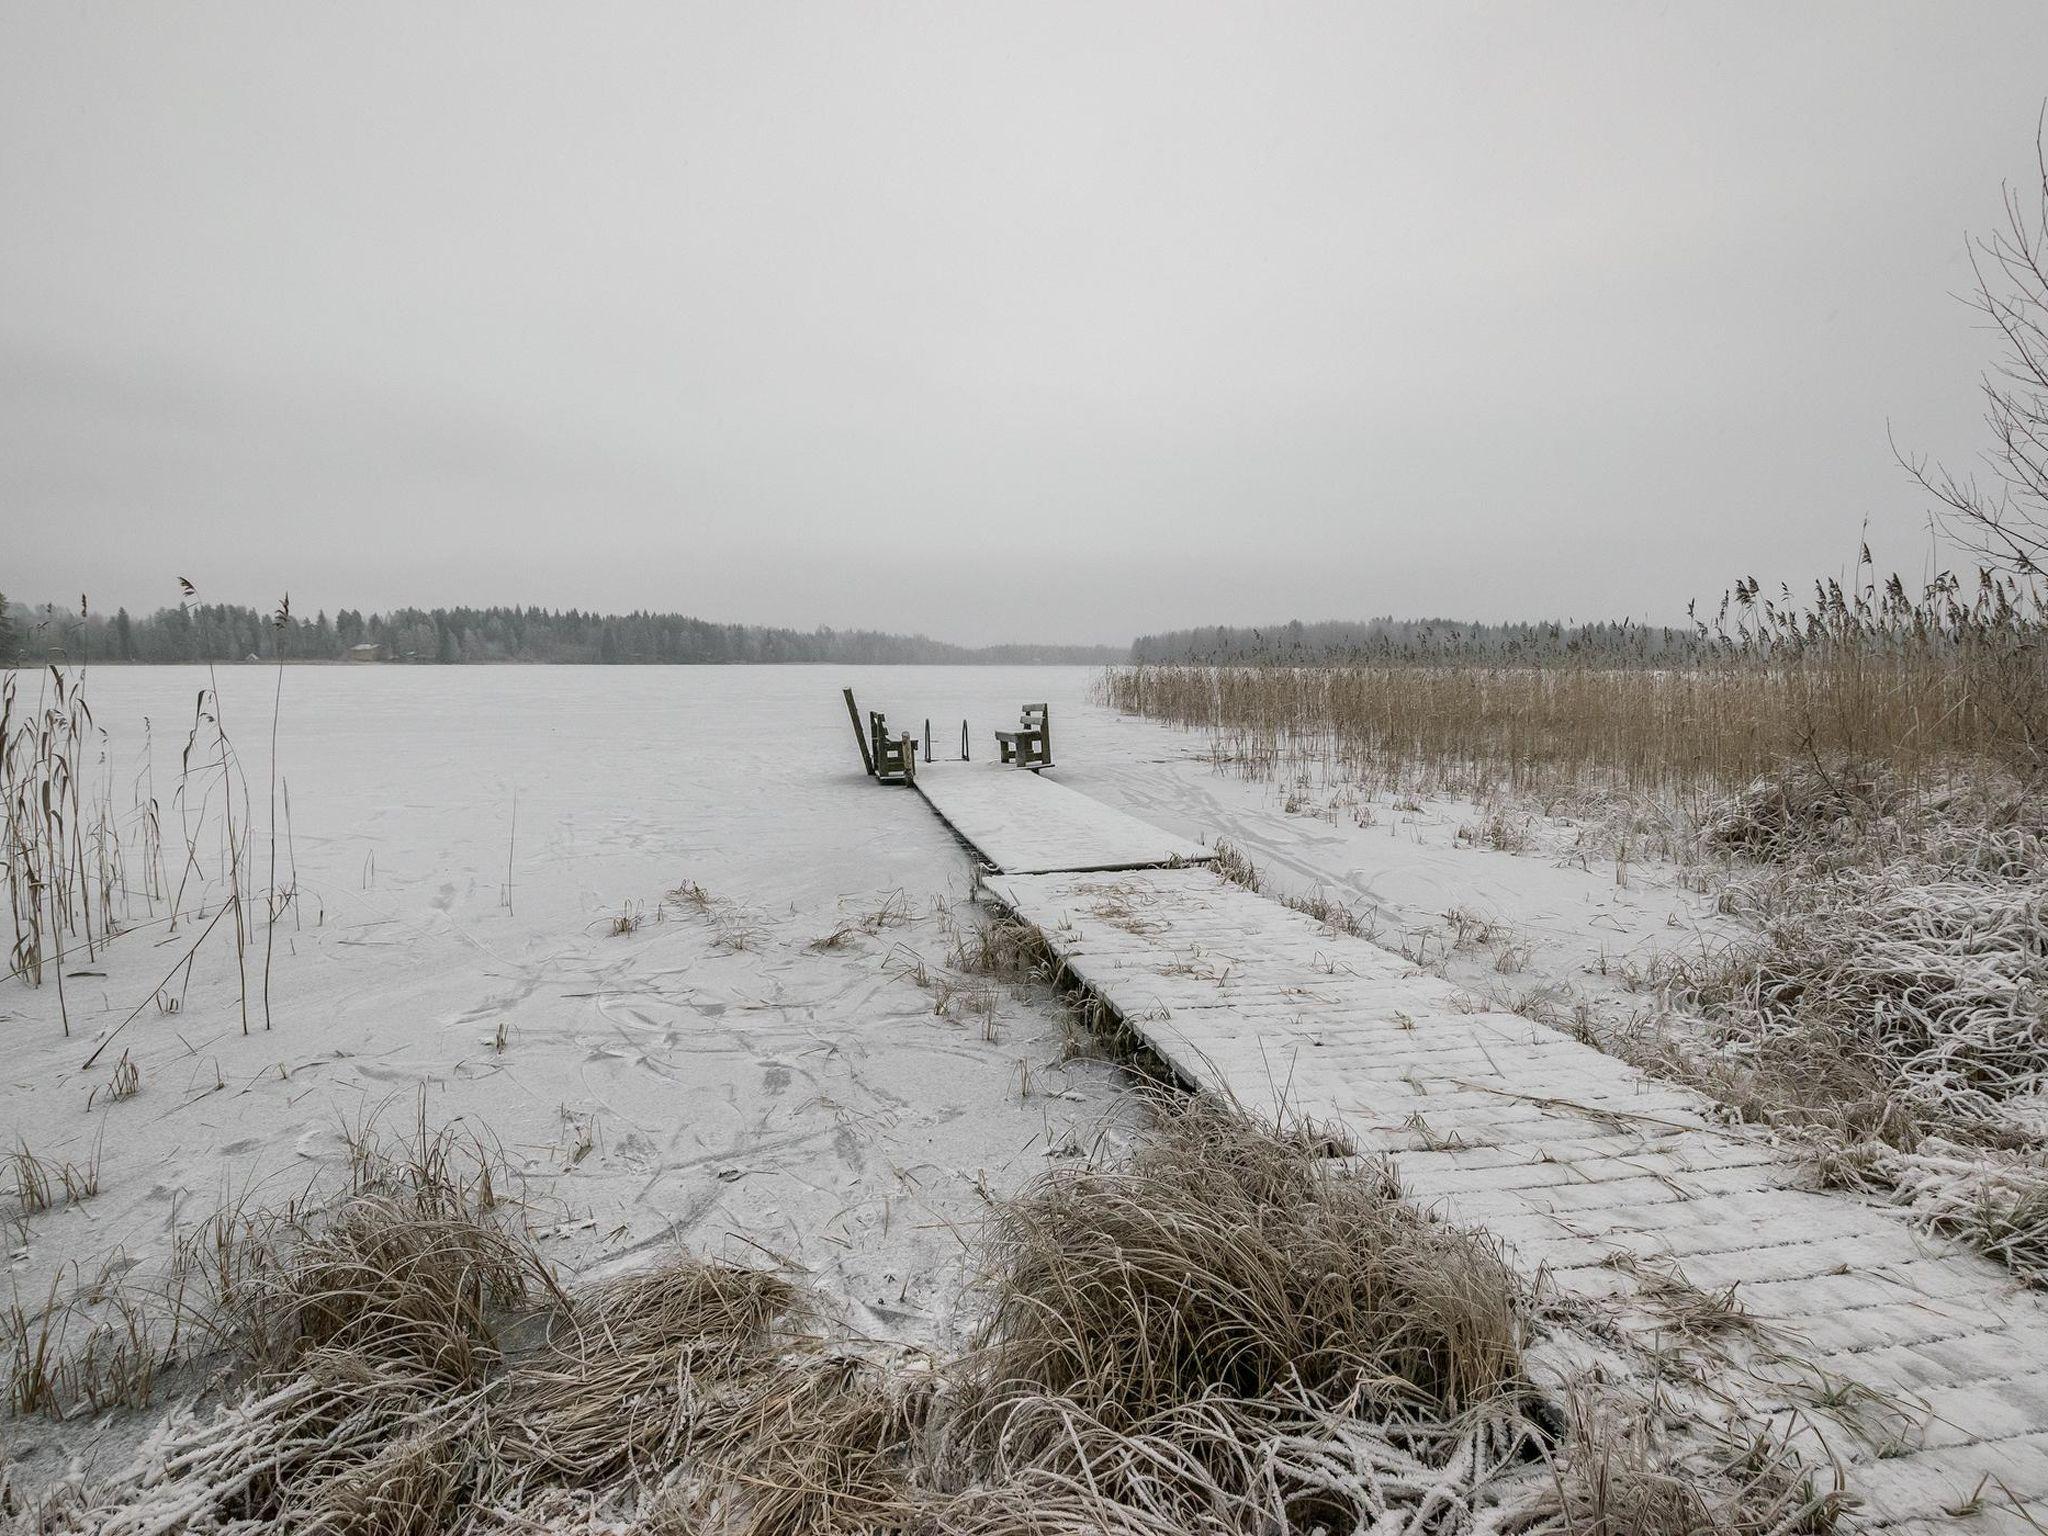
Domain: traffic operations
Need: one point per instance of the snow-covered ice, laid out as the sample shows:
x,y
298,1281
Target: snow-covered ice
x,y
709,1078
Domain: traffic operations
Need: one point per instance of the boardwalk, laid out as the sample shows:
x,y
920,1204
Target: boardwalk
x,y
1024,823
1916,1366
1600,1177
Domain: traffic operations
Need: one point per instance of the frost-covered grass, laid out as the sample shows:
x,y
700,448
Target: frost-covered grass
x,y
1891,1010
1225,1332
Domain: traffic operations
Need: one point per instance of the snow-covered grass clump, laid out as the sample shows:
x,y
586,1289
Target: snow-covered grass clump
x,y
1225,1331
1892,1008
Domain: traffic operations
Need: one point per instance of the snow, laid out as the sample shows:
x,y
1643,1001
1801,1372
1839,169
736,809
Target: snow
x,y
739,1091
1024,823
714,1078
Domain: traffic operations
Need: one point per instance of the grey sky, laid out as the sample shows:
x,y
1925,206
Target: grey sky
x,y
1046,321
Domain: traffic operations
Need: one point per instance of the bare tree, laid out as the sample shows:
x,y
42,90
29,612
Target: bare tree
x,y
2003,518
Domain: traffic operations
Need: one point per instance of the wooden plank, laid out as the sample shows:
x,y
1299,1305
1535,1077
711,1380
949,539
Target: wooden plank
x,y
867,757
1023,823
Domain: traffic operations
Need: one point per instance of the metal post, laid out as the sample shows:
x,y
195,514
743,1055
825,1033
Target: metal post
x,y
963,741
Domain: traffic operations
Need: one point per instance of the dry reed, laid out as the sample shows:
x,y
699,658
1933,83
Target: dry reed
x,y
1868,674
79,869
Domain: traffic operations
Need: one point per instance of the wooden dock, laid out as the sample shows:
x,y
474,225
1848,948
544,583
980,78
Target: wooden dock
x,y
1918,1368
1024,823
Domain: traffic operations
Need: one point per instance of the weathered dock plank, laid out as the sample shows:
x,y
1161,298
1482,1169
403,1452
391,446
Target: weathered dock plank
x,y
1023,823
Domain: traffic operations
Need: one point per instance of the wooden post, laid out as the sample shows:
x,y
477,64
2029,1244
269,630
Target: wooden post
x,y
867,758
909,758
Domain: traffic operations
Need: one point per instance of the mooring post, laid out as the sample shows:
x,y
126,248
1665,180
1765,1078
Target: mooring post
x,y
963,741
927,738
867,757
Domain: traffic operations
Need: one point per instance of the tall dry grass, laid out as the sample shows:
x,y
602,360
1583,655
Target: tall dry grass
x,y
1866,675
1539,730
60,844
88,853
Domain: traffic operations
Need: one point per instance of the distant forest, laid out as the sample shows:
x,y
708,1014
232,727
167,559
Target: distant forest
x,y
226,632
1418,640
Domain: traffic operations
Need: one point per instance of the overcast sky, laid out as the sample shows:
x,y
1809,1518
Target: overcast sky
x,y
1020,321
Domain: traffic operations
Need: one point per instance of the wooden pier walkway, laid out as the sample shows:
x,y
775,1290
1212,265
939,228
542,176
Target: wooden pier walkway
x,y
1023,823
1916,1367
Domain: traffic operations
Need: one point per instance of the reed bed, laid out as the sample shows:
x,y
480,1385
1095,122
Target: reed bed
x,y
1867,674
1547,731
60,845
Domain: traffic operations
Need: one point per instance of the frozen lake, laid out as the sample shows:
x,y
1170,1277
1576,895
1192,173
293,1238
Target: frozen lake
x,y
710,1078
714,1078
628,778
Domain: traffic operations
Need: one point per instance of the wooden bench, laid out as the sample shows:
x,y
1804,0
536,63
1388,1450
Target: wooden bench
x,y
895,760
1030,745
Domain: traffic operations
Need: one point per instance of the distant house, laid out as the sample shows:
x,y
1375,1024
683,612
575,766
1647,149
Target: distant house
x,y
371,652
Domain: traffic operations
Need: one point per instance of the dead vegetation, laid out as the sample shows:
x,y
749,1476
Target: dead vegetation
x,y
1624,1472
1228,1331
85,858
646,1339
894,912
825,1440
1859,669
1890,1013
1232,1332
1330,912
1000,948
401,1359
1232,863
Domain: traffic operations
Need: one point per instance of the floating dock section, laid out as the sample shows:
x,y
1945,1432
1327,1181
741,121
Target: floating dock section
x,y
1022,823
